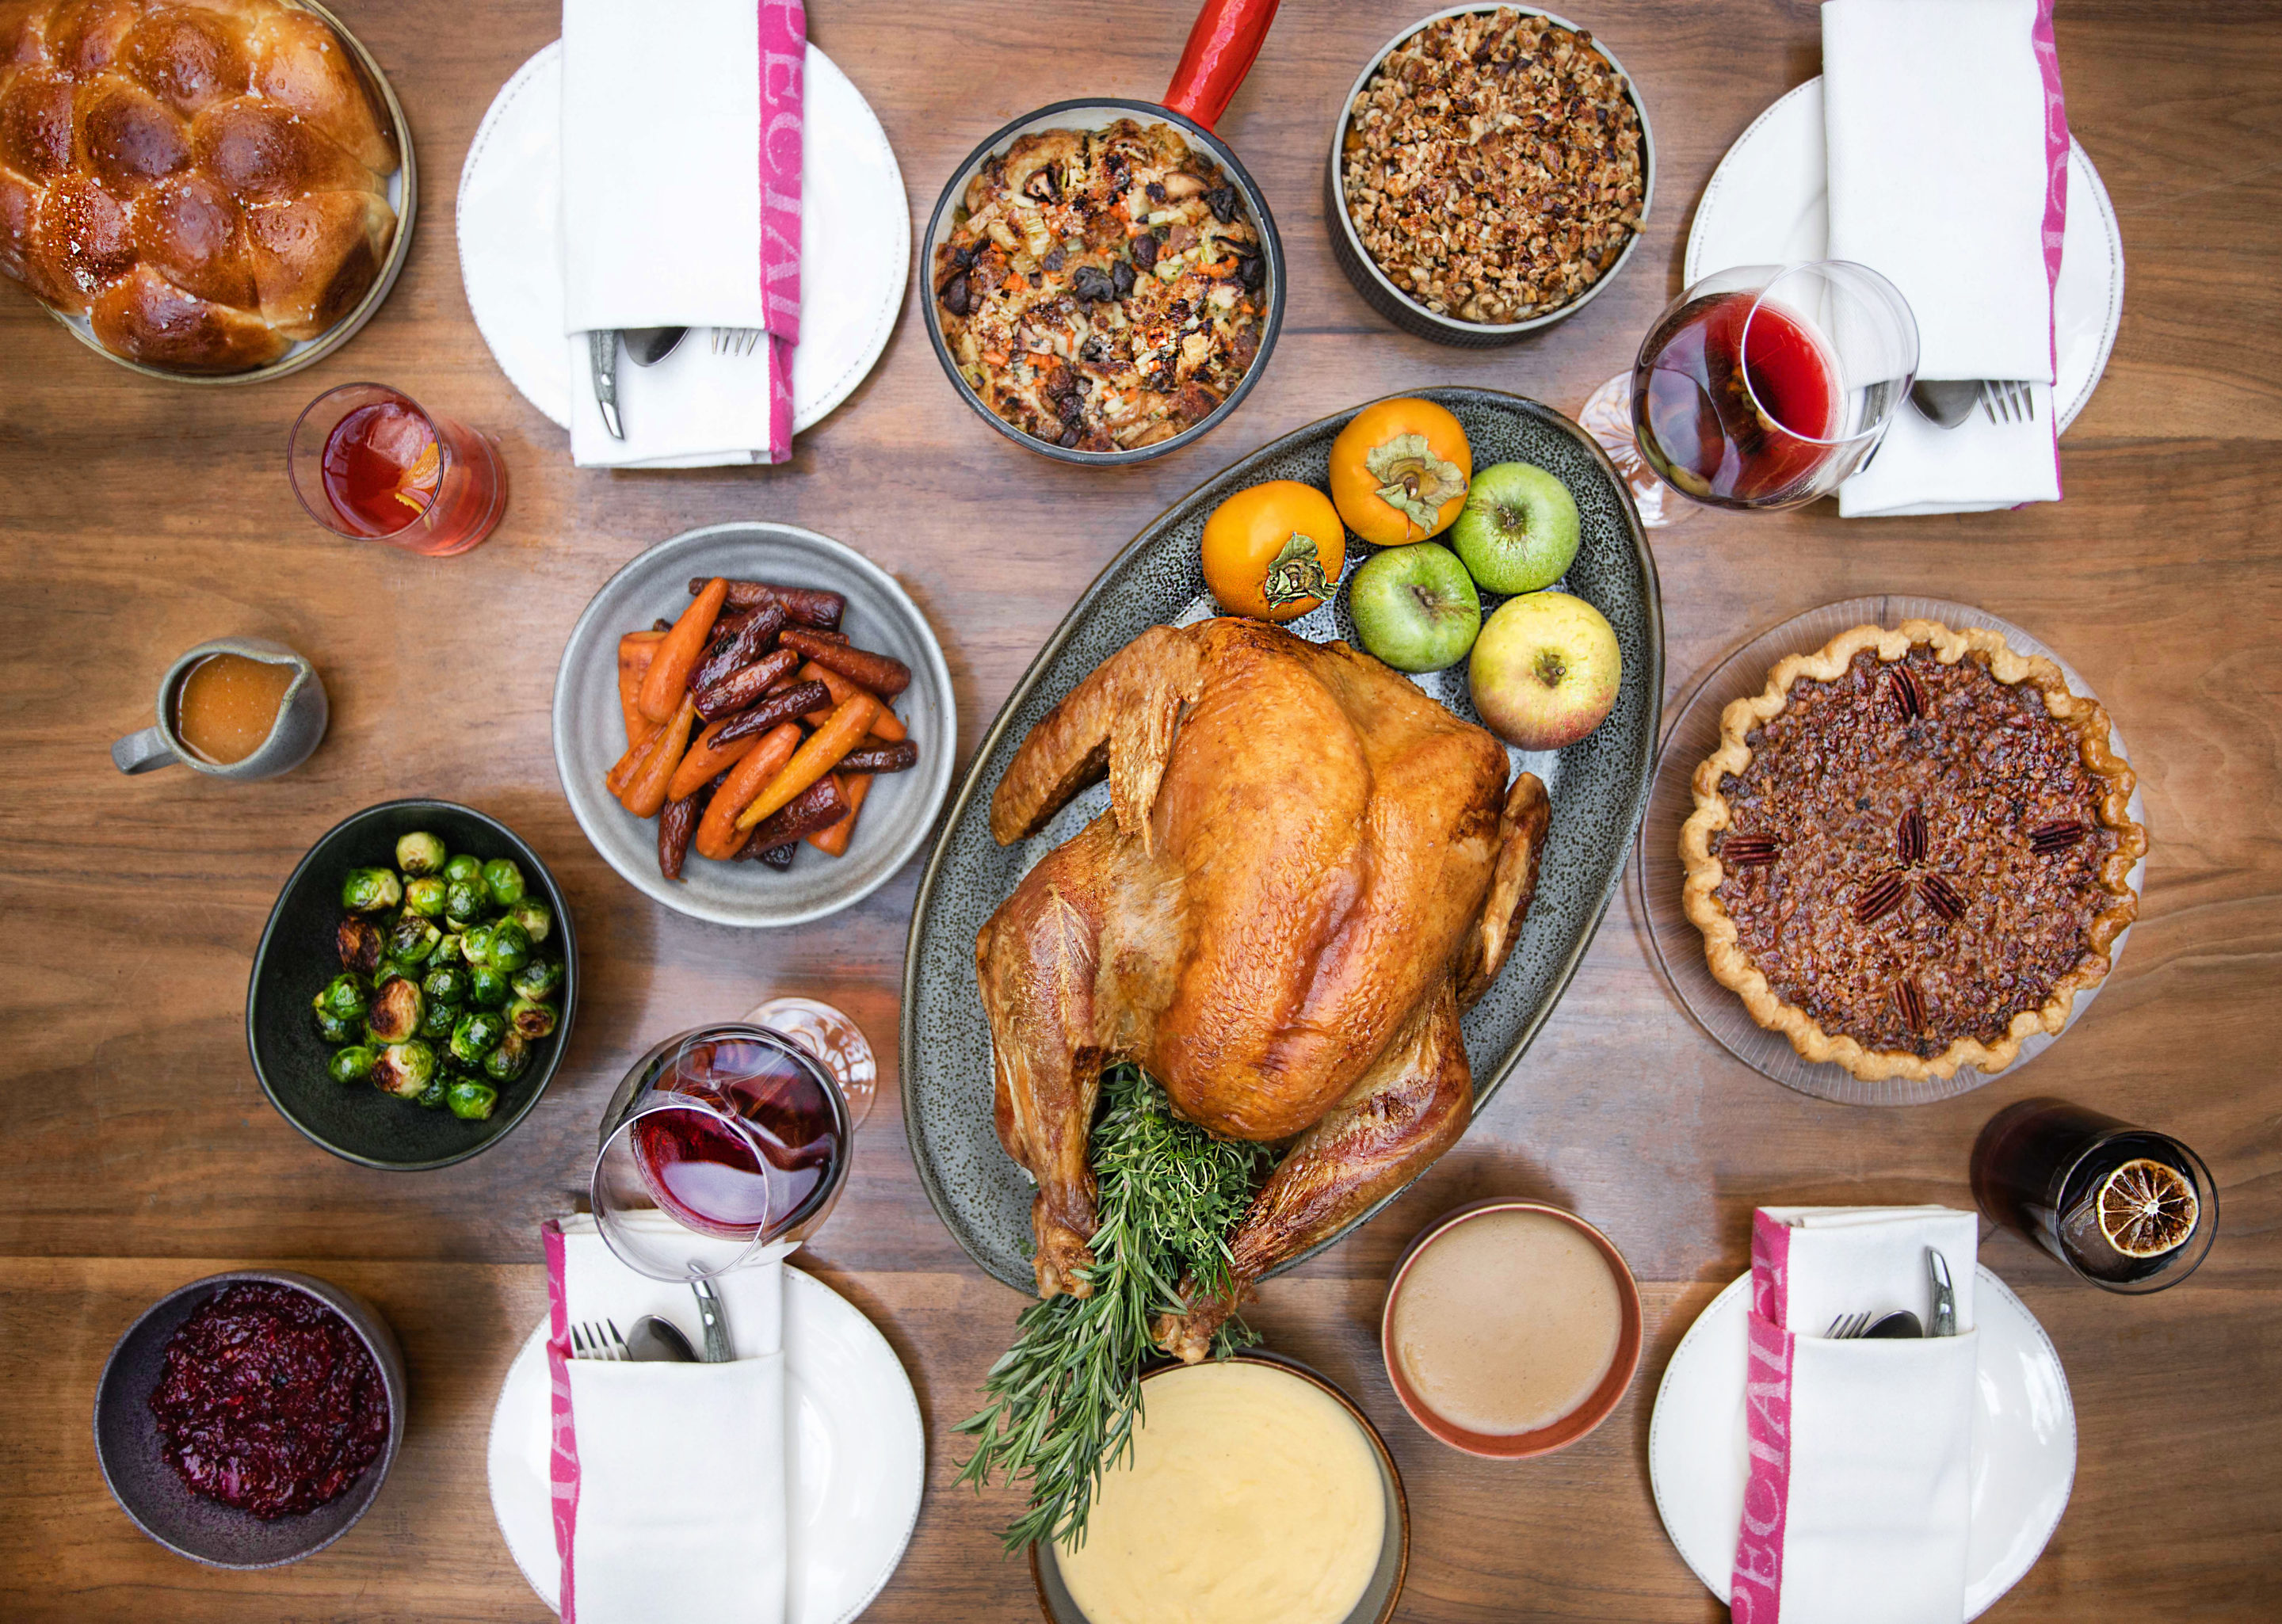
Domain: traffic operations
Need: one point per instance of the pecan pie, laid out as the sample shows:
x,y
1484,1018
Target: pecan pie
x,y
1912,851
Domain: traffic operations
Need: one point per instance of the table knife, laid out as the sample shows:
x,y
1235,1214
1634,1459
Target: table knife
x,y
1944,1295
602,354
717,1328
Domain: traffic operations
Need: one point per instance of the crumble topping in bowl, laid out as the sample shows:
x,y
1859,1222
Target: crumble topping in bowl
x,y
1491,166
1101,289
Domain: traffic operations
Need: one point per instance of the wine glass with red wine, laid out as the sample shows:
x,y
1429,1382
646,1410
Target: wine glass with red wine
x,y
721,1144
1764,386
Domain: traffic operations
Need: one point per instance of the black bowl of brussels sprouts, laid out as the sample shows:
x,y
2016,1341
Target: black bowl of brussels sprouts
x,y
413,992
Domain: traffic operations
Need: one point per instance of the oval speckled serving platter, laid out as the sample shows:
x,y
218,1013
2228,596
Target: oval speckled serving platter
x,y
1599,788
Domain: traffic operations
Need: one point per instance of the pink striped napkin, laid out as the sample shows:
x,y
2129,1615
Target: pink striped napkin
x,y
784,53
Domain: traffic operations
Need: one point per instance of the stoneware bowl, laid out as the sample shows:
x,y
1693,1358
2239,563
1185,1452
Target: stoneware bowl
x,y
1565,1432
1379,1596
298,956
302,715
129,1448
1379,291
590,731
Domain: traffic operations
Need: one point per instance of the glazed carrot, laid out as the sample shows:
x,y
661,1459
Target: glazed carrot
x,y
677,655
707,757
645,796
832,841
675,826
882,674
842,732
636,650
637,756
820,806
718,834
841,691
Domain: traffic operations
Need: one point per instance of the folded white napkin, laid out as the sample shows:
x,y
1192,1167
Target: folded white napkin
x,y
681,168
669,1480
1947,147
1858,1504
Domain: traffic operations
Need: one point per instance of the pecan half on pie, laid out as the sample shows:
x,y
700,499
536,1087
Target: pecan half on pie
x,y
1912,851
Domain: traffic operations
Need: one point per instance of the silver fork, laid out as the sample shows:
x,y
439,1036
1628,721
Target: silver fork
x,y
1848,1326
736,340
2009,401
588,1341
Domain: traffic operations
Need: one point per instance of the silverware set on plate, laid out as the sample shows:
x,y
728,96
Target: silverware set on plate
x,y
1949,403
645,346
1900,1323
655,1341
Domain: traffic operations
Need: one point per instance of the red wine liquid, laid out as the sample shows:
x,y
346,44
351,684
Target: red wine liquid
x,y
1732,423
383,468
704,1175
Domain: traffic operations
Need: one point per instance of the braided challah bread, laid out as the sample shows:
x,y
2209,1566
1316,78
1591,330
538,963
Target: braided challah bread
x,y
204,180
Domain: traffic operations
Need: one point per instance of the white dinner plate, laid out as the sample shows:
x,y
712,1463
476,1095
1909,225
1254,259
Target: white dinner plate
x,y
2023,1442
854,238
1768,204
857,1465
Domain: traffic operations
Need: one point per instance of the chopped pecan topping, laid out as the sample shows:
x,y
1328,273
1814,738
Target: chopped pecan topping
x,y
1747,851
1941,896
1910,838
1911,1002
2058,835
1880,897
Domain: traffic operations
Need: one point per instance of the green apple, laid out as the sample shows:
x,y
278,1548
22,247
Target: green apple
x,y
1546,669
1518,532
1415,606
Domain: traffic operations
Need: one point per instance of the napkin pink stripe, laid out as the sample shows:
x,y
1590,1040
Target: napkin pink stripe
x,y
562,1453
2056,172
784,56
1755,1588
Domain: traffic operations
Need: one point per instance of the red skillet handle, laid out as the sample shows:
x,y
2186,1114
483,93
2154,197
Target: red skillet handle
x,y
1218,55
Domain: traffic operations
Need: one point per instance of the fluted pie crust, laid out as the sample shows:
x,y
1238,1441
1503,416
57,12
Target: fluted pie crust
x,y
1911,874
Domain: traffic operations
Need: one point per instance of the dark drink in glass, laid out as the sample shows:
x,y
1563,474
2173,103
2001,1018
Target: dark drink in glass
x,y
1764,386
2126,1207
368,462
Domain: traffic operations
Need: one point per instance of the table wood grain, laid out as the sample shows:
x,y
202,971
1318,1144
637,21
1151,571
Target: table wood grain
x,y
140,517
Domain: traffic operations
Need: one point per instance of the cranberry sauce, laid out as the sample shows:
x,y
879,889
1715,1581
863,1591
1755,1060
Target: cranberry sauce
x,y
269,1400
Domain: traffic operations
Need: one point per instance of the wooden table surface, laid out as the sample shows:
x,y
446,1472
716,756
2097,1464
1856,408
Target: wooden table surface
x,y
140,517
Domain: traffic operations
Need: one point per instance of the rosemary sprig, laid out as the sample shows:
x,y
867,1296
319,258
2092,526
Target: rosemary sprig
x,y
1064,1397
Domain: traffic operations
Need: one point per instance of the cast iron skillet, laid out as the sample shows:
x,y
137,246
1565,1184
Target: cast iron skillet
x,y
1220,52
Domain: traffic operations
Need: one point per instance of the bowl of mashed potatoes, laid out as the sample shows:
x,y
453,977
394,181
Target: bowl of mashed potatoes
x,y
1256,1493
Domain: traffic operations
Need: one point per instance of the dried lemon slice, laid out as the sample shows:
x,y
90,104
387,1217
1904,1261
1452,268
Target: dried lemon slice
x,y
2147,1209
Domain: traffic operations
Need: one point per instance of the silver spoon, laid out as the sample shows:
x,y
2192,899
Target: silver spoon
x,y
648,345
659,1341
1889,1327
1944,402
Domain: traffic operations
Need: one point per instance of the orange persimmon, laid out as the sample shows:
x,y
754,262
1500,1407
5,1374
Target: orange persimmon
x,y
1399,471
1274,551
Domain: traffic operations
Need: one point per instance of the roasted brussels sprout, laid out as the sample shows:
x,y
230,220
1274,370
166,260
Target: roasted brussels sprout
x,y
529,1020
465,901
507,1063
447,983
361,942
333,1029
432,1097
404,1070
476,945
472,1101
504,881
353,1064
537,979
370,891
395,1012
534,916
343,997
419,852
477,1035
448,950
487,988
510,948
412,938
438,1019
425,896
464,867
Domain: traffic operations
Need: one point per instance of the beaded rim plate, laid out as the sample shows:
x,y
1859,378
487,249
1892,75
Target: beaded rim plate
x,y
403,196
1658,873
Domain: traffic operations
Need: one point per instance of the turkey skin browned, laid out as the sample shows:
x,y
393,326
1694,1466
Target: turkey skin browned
x,y
1307,869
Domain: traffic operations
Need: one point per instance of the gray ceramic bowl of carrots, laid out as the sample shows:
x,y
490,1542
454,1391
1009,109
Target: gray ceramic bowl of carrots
x,y
754,724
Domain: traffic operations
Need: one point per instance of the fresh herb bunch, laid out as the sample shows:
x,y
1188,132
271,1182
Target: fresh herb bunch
x,y
1064,1396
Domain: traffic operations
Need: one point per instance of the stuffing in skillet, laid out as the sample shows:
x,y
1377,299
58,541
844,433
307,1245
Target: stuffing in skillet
x,y
1101,289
